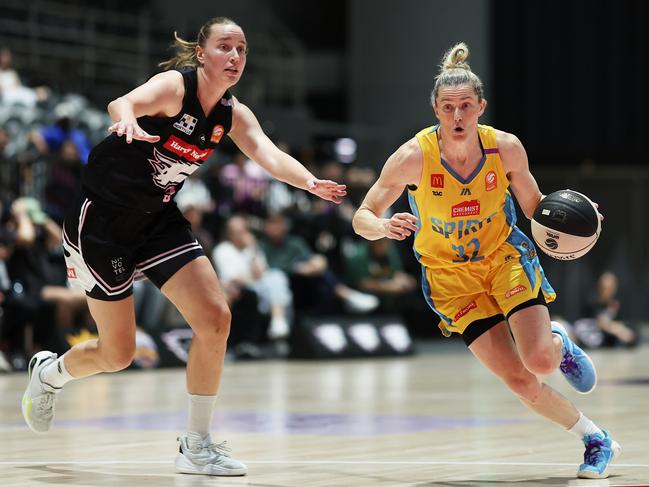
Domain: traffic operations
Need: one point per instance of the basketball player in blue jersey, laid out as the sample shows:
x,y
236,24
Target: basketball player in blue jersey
x,y
126,223
480,273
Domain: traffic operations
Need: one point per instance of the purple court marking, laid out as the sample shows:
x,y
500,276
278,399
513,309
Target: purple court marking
x,y
292,423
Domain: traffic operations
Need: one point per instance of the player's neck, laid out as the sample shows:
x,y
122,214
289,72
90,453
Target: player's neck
x,y
460,152
209,92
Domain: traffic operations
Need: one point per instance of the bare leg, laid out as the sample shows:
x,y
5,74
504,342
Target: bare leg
x,y
497,351
115,347
197,294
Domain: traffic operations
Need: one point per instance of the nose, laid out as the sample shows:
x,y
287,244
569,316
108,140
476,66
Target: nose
x,y
457,114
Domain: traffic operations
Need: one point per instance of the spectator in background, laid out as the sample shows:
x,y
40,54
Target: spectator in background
x,y
248,183
313,284
600,325
12,91
240,264
51,139
39,297
194,201
63,180
376,267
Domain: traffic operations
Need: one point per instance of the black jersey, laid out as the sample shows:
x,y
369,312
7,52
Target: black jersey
x,y
146,176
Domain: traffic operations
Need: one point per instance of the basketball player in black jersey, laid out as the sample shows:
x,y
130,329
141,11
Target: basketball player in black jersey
x,y
126,223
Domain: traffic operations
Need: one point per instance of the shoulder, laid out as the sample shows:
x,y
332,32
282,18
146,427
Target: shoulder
x,y
511,150
171,80
405,164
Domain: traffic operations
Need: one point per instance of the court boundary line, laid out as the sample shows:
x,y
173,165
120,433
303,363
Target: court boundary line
x,y
317,462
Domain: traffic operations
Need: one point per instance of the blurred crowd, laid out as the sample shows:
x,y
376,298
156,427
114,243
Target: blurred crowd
x,y
279,253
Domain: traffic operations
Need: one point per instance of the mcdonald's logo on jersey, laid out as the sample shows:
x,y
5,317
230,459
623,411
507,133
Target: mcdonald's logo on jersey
x,y
437,180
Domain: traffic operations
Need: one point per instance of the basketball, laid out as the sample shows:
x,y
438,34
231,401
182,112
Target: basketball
x,y
566,225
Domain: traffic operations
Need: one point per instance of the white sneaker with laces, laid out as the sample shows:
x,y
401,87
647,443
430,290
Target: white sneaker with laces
x,y
198,455
39,397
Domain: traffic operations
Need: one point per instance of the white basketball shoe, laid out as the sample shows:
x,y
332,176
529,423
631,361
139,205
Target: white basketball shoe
x,y
39,397
198,455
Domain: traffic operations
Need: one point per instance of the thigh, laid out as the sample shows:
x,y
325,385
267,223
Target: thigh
x,y
115,321
532,330
459,297
169,246
497,351
196,292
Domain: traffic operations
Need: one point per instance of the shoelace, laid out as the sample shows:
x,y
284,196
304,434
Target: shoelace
x,y
593,451
219,448
569,365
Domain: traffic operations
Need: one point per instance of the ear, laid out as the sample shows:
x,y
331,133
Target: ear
x,y
199,54
483,106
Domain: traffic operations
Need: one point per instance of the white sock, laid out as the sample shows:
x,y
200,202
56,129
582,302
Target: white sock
x,y
584,426
56,374
200,414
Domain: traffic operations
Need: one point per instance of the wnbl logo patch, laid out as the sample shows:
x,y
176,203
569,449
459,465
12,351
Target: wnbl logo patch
x,y
186,124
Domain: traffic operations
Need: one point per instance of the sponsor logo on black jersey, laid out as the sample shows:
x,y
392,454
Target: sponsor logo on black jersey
x,y
186,124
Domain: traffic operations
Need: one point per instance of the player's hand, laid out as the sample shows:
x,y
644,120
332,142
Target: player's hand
x,y
400,226
327,190
132,131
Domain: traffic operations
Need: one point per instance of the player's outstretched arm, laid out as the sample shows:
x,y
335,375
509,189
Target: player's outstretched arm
x,y
401,169
162,95
248,135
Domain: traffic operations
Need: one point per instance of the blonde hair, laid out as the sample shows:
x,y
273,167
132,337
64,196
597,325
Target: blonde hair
x,y
455,71
186,50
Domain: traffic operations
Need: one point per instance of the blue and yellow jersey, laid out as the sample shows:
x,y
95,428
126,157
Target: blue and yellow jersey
x,y
461,220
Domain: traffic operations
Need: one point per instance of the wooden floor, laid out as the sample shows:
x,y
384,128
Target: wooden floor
x,y
435,419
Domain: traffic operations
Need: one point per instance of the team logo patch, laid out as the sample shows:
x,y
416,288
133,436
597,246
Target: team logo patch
x,y
465,310
72,273
490,181
466,208
437,180
186,124
518,289
217,133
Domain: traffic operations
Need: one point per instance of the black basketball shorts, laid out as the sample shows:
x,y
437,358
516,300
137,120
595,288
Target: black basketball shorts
x,y
106,249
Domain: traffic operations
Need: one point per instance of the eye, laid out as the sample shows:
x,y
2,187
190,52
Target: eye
x,y
242,50
224,47
466,106
447,108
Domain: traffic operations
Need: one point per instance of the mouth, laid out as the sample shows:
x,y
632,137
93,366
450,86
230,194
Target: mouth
x,y
458,130
232,70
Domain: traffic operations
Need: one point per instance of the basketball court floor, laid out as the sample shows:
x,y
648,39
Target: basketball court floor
x,y
434,419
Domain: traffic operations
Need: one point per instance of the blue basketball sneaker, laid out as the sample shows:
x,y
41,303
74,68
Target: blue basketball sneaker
x,y
600,452
576,366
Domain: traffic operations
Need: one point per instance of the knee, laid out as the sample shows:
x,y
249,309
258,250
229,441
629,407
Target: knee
x,y
118,358
540,362
214,322
524,385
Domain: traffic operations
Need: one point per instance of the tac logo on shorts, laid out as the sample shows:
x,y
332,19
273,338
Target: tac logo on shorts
x,y
72,273
437,180
465,310
186,124
490,181
518,289
217,133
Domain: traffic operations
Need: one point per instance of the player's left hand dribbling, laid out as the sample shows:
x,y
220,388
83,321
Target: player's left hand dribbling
x,y
327,190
